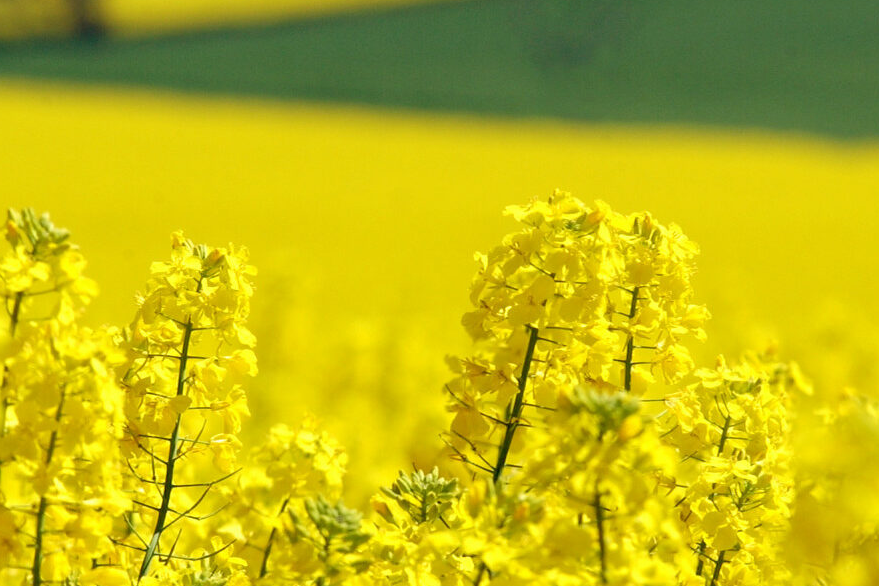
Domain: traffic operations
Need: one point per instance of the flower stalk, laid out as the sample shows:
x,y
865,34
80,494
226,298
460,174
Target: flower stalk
x,y
515,411
170,463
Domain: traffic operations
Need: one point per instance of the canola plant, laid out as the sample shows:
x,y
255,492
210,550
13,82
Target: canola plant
x,y
584,444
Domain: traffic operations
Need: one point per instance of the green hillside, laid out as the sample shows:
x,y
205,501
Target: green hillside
x,y
806,65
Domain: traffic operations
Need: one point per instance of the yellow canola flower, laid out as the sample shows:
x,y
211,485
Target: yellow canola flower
x,y
604,465
60,415
579,294
418,533
736,485
575,316
189,354
596,453
290,466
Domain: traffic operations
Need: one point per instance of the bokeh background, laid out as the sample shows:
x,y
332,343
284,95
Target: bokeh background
x,y
364,149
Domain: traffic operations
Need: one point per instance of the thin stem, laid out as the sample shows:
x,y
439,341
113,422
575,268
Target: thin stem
x,y
482,570
723,435
264,566
630,342
516,412
173,446
599,523
16,311
423,509
701,563
36,568
717,567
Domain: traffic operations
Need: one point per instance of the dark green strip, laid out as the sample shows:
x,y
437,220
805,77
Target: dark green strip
x,y
785,64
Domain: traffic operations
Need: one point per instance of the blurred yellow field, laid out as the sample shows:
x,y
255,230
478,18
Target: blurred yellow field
x,y
133,17
22,18
363,224
590,434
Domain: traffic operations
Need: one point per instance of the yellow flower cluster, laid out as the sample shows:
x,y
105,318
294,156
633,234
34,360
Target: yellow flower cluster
x,y
632,466
271,499
579,294
60,409
414,542
603,467
584,447
188,354
732,433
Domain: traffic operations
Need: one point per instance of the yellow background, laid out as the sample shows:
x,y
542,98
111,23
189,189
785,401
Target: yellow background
x,y
22,18
363,224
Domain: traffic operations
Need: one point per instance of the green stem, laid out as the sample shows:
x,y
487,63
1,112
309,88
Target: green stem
x,y
264,566
701,563
16,311
482,570
168,486
511,424
630,342
723,435
599,523
717,568
423,509
516,412
36,568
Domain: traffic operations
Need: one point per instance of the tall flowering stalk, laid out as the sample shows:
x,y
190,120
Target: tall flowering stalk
x,y
60,412
289,469
189,352
736,483
602,463
578,294
580,297
40,279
